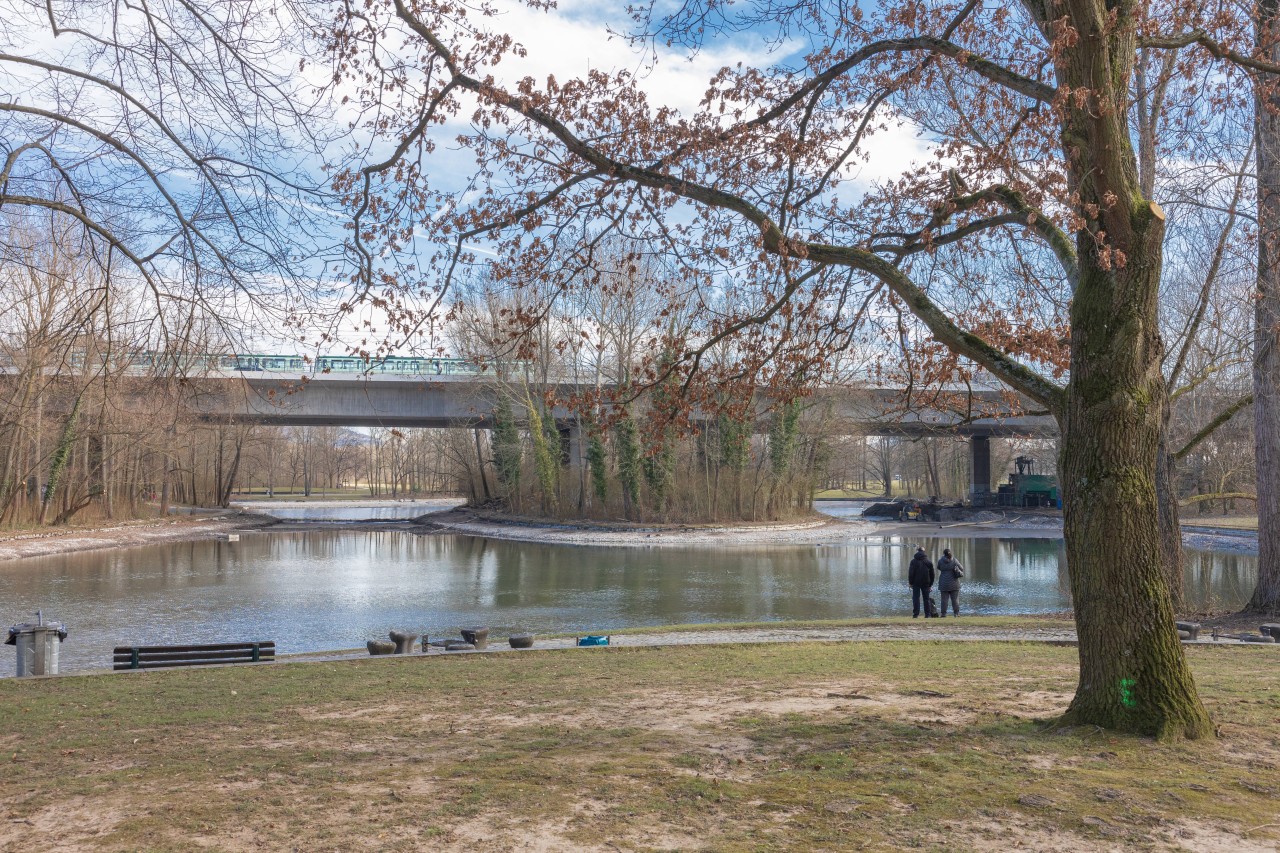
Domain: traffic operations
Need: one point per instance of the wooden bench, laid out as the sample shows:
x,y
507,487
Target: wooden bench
x,y
153,657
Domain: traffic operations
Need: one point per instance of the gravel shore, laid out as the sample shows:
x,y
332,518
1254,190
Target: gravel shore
x,y
127,534
819,529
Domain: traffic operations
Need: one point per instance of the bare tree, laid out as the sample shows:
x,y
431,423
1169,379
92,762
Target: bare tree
x,y
1029,104
178,138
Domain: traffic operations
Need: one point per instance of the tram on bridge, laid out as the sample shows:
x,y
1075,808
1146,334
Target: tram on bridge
x,y
295,365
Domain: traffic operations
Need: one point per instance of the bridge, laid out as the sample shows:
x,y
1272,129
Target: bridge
x,y
466,400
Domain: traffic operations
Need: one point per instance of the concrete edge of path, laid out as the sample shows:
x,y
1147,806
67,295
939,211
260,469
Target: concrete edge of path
x,y
728,636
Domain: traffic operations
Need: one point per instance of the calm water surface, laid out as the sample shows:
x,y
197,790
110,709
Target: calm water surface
x,y
328,589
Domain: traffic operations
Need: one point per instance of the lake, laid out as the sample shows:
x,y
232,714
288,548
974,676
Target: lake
x,y
336,588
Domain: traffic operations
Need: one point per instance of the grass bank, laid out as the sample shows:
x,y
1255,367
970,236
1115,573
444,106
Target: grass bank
x,y
774,747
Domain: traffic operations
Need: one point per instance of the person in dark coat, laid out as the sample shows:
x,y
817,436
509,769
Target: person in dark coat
x,y
949,573
920,579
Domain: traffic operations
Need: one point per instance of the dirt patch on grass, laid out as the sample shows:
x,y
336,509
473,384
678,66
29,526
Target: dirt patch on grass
x,y
840,746
350,713
590,827
1037,703
681,711
1009,833
1203,837
78,823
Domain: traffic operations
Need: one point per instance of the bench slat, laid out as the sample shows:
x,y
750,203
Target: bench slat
x,y
213,647
166,664
153,657
163,656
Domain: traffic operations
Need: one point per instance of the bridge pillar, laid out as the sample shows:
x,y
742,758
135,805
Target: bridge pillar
x,y
572,452
573,455
980,470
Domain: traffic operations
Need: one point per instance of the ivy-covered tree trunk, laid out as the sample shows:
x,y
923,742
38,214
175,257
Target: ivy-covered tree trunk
x,y
660,470
61,456
1266,340
1133,674
506,450
782,447
735,452
597,461
544,459
629,462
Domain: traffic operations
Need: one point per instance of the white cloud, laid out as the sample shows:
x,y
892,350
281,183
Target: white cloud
x,y
574,39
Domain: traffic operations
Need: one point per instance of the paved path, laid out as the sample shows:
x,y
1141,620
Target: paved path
x,y
949,630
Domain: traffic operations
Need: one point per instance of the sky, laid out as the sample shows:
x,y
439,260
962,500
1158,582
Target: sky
x,y
578,37
565,42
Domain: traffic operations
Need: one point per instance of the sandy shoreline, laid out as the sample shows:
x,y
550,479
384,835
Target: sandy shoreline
x,y
128,534
824,530
816,531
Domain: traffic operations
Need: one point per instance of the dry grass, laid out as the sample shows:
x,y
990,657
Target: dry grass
x,y
1240,522
779,747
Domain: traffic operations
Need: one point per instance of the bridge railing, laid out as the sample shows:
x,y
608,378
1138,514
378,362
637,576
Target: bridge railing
x,y
187,364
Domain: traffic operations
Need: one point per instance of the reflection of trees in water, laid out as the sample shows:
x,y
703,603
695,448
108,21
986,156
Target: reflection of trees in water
x,y
343,574
657,584
981,558
1025,563
1216,579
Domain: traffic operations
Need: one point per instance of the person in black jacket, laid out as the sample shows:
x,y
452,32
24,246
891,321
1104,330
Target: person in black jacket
x,y
920,579
949,573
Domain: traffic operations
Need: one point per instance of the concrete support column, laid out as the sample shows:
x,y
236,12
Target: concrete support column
x,y
980,470
573,456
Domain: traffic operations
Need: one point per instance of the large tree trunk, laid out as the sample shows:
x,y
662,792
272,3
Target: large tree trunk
x,y
1133,675
1266,336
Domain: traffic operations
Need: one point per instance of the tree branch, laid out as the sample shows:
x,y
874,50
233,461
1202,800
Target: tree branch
x,y
1215,49
1225,415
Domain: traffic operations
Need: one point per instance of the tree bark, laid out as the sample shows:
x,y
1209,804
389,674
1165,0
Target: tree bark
x,y
1170,525
1266,339
61,456
1133,675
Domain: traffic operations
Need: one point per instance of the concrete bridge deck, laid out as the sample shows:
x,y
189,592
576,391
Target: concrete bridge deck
x,y
467,401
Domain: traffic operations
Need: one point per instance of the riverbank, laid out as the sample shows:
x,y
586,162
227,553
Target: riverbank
x,y
797,746
127,534
818,529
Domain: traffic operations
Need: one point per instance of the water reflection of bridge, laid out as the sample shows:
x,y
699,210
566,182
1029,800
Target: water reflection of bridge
x,y
468,401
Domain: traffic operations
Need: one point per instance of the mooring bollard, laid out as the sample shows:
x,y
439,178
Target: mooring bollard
x,y
478,637
37,645
404,641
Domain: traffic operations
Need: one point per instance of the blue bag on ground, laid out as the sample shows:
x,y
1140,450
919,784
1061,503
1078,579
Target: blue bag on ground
x,y
592,640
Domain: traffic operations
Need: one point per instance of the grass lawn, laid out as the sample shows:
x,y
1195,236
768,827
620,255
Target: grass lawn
x,y
1242,522
852,494
820,746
